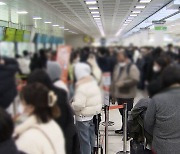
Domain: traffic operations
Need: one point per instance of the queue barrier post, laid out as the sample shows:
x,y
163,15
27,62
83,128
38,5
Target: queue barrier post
x,y
106,128
124,131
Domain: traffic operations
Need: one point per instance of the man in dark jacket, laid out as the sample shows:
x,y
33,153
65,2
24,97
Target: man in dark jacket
x,y
8,68
66,120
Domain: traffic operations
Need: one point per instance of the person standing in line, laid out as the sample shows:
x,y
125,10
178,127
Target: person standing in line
x,y
39,133
7,144
87,103
162,116
124,82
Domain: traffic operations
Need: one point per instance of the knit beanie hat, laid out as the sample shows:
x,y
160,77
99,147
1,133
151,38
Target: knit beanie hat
x,y
82,70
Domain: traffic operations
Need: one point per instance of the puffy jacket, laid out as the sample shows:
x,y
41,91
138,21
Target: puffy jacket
x,y
40,138
88,97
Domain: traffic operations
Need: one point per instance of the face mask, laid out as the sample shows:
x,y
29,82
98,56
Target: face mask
x,y
122,64
156,68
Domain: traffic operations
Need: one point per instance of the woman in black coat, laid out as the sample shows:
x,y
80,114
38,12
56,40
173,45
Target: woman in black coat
x,y
8,68
66,120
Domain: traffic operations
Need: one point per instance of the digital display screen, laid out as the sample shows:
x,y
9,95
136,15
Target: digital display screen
x,y
37,38
43,38
19,35
1,33
10,34
27,36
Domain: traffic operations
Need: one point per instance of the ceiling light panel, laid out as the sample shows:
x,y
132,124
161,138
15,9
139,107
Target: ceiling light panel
x,y
90,2
136,12
140,6
22,12
145,1
2,3
93,8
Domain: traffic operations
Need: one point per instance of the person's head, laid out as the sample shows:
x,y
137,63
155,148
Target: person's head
x,y
122,56
170,47
40,76
25,53
171,75
38,100
53,70
74,57
103,51
82,70
17,56
160,63
6,126
84,54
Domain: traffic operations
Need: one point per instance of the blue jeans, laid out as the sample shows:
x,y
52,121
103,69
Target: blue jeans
x,y
86,136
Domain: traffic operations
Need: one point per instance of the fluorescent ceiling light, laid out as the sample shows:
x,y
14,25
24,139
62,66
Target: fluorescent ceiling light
x,y
2,3
96,16
140,6
119,32
93,8
125,24
145,1
91,2
61,27
66,29
22,12
37,18
136,12
47,22
95,12
128,20
55,25
133,15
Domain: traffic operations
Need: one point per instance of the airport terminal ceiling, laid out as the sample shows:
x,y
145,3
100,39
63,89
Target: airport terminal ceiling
x,y
104,18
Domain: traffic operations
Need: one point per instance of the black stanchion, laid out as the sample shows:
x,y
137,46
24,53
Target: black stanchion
x,y
106,128
124,131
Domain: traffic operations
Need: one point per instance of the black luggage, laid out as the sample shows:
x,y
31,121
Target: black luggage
x,y
138,148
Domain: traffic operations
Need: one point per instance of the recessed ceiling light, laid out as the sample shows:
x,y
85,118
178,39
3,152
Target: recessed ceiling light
x,y
22,12
96,16
140,6
61,27
125,24
91,2
47,22
55,25
66,29
136,12
93,8
95,12
133,15
128,20
37,18
145,1
2,3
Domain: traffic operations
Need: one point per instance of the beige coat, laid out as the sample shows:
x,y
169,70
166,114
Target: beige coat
x,y
36,138
124,84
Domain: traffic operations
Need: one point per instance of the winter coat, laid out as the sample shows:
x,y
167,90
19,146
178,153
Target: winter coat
x,y
125,80
40,138
162,121
8,147
136,122
88,97
7,82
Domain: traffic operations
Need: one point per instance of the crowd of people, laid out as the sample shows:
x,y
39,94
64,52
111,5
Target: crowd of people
x,y
54,117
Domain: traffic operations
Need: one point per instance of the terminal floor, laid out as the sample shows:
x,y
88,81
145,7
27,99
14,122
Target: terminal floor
x,y
115,142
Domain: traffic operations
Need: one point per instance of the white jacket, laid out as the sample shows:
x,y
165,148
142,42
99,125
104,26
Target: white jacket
x,y
35,138
88,98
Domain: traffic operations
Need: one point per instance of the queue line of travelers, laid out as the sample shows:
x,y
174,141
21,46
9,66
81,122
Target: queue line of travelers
x,y
48,103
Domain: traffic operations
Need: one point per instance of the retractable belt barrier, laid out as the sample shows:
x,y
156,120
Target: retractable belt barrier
x,y
107,108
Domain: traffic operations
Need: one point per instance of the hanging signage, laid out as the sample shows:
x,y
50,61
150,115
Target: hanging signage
x,y
162,28
63,56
